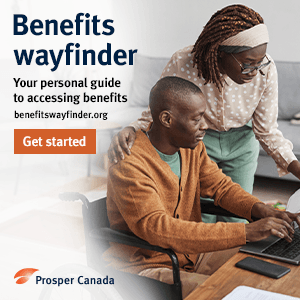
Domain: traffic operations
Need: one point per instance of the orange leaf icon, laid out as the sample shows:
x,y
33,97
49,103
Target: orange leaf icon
x,y
24,275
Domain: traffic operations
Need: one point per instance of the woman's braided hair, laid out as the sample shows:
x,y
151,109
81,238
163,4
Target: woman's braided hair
x,y
225,23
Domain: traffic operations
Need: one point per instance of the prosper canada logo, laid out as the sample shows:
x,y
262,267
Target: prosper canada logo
x,y
24,275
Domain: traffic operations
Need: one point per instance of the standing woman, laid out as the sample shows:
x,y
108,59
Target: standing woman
x,y
239,80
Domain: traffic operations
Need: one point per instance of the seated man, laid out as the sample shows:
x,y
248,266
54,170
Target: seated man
x,y
155,193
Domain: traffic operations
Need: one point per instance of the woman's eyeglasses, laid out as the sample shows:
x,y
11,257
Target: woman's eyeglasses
x,y
247,70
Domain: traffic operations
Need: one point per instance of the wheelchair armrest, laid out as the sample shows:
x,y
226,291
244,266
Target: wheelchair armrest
x,y
208,207
126,238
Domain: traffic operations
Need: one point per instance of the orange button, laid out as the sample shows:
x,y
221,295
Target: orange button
x,y
55,141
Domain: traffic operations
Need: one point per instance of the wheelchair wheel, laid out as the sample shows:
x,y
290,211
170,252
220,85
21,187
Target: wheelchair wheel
x,y
76,291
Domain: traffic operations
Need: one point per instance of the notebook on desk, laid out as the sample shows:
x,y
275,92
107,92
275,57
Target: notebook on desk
x,y
250,293
277,248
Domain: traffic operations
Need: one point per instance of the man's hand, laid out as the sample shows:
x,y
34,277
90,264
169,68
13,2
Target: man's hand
x,y
272,222
269,226
261,210
124,140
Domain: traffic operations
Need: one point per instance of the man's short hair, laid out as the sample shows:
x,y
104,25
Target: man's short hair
x,y
167,90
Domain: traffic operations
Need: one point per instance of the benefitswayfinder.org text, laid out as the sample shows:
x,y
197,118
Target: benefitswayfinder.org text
x,y
39,114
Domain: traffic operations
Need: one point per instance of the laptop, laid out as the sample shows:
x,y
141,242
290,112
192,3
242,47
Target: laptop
x,y
277,248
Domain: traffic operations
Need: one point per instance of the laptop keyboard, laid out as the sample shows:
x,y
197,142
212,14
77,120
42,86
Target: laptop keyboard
x,y
285,249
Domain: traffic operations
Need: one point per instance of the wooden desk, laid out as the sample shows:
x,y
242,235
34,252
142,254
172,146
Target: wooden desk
x,y
228,277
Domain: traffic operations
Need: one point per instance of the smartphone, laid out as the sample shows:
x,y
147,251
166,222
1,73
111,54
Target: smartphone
x,y
262,267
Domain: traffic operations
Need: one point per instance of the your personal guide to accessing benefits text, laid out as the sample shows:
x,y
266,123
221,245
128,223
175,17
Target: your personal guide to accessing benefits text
x,y
84,83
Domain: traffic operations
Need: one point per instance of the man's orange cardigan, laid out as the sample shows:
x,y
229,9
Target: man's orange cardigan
x,y
145,197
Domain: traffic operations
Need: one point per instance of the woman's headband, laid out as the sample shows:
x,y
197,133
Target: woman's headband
x,y
252,37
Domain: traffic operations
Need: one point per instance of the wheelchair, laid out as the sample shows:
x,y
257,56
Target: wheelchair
x,y
126,286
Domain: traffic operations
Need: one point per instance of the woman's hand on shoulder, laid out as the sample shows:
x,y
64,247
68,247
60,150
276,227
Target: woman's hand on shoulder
x,y
122,141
